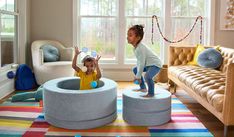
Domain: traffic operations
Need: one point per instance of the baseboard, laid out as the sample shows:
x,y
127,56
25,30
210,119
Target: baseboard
x,y
7,87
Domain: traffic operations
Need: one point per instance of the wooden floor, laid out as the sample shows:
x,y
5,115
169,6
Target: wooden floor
x,y
208,119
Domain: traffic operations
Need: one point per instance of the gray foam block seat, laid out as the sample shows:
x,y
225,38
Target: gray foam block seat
x,y
68,107
141,111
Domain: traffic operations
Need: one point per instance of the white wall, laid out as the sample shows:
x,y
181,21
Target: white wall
x,y
51,19
222,37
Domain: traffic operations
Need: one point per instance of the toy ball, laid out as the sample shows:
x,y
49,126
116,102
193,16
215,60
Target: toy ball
x,y
136,82
93,53
84,69
10,74
84,49
93,84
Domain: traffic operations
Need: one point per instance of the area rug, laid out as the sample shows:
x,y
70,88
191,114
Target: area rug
x,y
26,119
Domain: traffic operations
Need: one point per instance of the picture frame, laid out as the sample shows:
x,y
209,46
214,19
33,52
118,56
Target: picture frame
x,y
223,11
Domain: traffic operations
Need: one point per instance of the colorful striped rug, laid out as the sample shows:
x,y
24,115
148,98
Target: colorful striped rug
x,y
26,119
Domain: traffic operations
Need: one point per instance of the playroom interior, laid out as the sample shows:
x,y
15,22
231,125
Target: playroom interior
x,y
49,47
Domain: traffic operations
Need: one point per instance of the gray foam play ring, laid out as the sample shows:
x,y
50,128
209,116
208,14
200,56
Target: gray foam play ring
x,y
138,110
82,124
64,102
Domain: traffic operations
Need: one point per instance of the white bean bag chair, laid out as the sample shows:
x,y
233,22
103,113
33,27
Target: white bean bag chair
x,y
68,107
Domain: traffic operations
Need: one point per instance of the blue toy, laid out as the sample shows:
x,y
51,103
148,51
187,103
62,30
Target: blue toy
x,y
10,74
27,95
136,82
84,49
93,53
93,84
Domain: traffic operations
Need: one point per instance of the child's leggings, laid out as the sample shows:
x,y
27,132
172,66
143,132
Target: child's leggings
x,y
151,71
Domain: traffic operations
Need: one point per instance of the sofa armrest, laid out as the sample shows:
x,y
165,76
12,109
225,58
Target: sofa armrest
x,y
180,55
66,54
228,110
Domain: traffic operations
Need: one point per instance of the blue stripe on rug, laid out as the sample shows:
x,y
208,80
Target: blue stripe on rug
x,y
178,106
178,130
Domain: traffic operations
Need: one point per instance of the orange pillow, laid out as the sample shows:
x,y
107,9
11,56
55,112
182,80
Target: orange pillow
x,y
199,49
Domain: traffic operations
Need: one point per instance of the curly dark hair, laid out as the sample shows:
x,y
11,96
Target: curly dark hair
x,y
139,31
88,58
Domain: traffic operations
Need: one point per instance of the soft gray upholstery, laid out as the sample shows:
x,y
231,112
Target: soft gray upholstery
x,y
67,107
143,111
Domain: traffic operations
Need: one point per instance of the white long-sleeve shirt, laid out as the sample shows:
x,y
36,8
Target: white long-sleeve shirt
x,y
145,57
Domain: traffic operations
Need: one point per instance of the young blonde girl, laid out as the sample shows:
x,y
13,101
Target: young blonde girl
x,y
90,75
147,60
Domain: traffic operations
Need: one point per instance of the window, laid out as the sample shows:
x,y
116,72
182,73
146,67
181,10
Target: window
x,y
140,12
8,31
98,31
183,15
102,25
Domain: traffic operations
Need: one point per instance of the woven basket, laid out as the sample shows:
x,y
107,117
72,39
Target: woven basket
x,y
162,76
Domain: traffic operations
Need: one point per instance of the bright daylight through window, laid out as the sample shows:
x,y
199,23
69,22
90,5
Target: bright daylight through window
x,y
102,25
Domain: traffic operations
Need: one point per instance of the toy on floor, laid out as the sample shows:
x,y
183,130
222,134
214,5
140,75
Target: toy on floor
x,y
27,95
10,74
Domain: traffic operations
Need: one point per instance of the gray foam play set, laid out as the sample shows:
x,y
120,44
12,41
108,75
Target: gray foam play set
x,y
68,107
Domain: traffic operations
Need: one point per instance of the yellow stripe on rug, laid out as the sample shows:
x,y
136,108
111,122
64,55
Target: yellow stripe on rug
x,y
110,128
15,123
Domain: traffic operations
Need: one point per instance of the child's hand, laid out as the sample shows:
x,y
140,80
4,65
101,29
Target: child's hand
x,y
77,51
139,80
97,59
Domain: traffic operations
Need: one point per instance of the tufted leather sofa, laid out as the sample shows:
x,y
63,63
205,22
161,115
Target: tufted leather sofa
x,y
214,89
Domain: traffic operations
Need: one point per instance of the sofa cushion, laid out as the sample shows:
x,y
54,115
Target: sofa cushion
x,y
206,82
210,58
199,49
50,53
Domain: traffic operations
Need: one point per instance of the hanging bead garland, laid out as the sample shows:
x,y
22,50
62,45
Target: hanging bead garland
x,y
230,14
170,41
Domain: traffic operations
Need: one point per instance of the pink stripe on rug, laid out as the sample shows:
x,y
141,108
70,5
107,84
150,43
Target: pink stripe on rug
x,y
20,109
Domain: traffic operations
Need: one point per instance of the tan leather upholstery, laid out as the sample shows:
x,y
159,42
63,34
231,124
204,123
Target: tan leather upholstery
x,y
214,89
208,83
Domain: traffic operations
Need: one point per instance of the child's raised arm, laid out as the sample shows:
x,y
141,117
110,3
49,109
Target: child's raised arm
x,y
99,75
74,66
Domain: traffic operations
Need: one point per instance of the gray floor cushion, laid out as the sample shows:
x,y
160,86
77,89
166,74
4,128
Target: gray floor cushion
x,y
143,111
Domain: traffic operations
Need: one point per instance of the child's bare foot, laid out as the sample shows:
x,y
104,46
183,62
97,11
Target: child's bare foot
x,y
140,90
147,96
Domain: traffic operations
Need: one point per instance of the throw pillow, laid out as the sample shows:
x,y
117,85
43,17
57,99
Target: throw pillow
x,y
199,49
210,58
50,52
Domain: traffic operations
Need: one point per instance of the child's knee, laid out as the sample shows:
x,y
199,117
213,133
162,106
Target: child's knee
x,y
147,77
134,69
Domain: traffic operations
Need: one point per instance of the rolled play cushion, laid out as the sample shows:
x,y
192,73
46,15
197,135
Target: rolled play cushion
x,y
138,110
65,103
22,96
